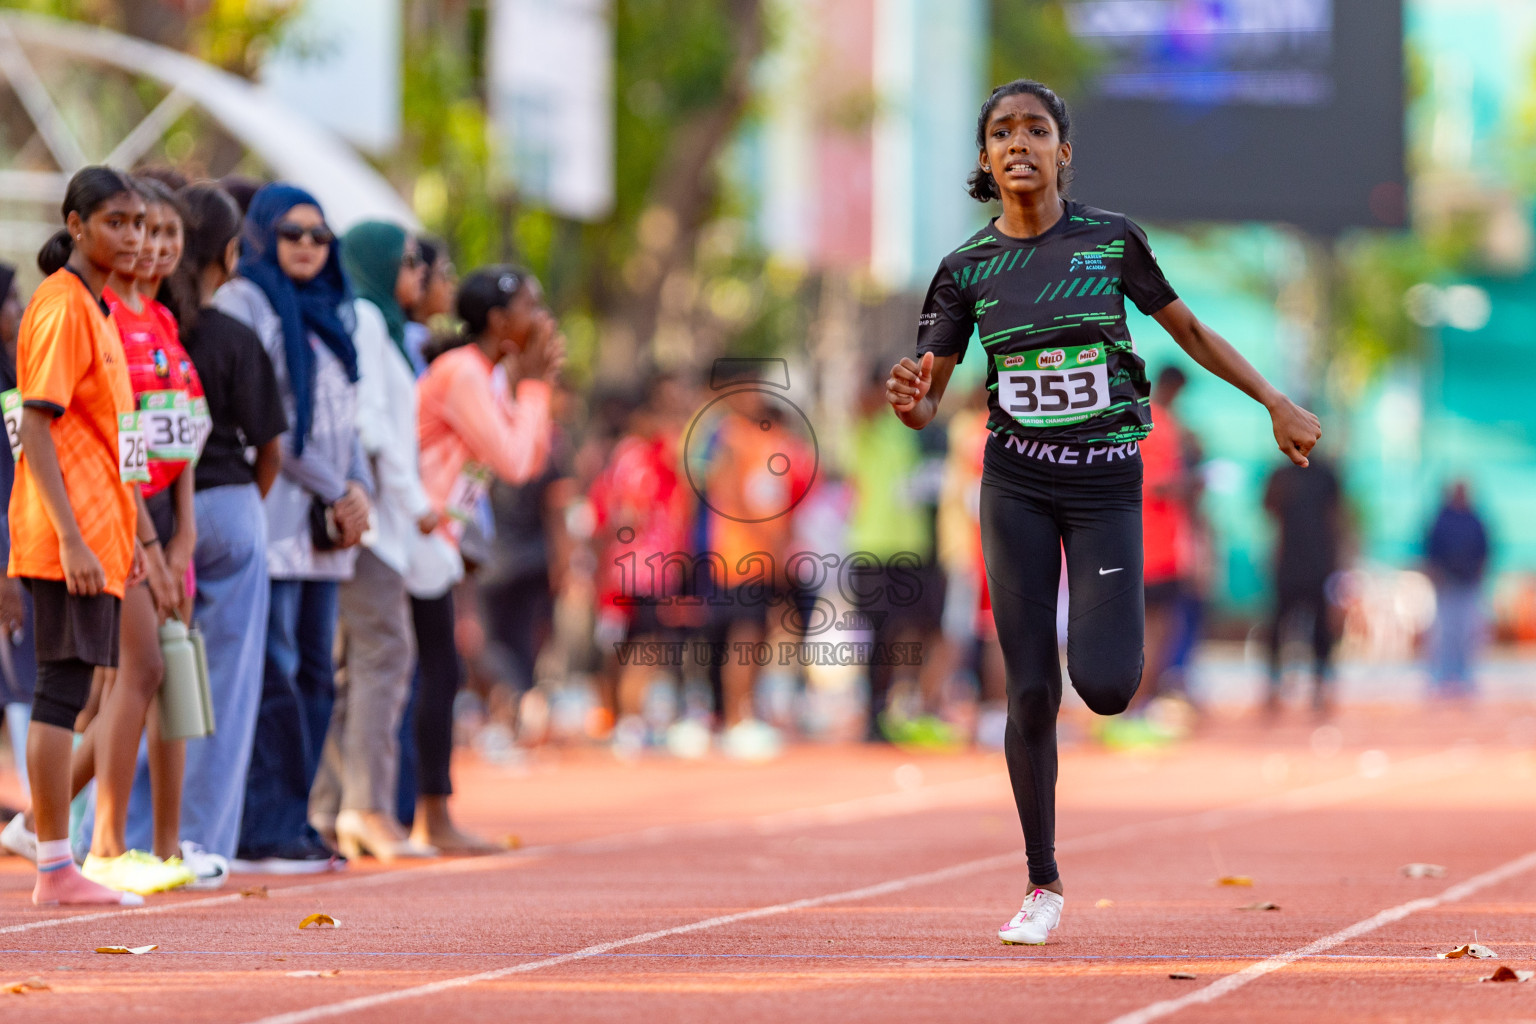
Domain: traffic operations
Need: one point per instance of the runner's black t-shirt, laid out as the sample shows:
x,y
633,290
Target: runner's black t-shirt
x,y
1050,313
243,400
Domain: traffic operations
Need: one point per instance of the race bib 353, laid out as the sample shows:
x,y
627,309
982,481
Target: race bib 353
x,y
1053,387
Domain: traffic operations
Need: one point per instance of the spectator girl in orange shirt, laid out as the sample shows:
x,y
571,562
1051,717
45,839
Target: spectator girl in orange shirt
x,y
73,383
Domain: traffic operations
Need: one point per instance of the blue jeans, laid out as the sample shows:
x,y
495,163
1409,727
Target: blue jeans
x,y
231,613
1455,637
298,689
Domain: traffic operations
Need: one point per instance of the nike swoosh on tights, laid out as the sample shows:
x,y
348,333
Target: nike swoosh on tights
x,y
1106,572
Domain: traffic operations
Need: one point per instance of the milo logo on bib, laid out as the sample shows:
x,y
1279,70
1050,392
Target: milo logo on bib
x,y
1070,385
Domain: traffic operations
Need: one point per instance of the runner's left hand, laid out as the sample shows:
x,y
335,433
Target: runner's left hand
x,y
1296,429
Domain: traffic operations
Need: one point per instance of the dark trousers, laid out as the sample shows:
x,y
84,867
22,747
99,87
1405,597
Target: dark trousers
x,y
901,600
517,614
1302,603
297,691
439,675
1028,516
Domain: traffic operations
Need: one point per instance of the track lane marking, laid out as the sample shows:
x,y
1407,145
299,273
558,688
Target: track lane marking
x,y
879,805
1319,795
848,895
1254,972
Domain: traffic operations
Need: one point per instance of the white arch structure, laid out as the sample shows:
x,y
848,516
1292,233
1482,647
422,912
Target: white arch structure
x,y
291,145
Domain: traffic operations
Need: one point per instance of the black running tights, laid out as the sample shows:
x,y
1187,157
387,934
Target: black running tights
x,y
1023,531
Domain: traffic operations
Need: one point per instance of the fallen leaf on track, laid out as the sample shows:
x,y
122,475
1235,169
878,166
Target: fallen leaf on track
x,y
254,892
1104,904
313,974
320,921
134,950
511,842
1471,949
1260,906
21,988
1507,973
1235,880
1423,870
1181,976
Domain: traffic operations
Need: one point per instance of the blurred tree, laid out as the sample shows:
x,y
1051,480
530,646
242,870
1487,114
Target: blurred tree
x,y
1030,39
230,33
682,83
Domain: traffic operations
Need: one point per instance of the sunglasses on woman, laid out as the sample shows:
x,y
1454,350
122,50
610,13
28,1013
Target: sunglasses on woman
x,y
288,231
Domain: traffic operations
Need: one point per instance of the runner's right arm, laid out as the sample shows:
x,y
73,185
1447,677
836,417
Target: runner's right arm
x,y
915,388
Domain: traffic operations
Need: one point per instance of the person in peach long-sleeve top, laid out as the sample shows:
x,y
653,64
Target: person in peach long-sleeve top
x,y
483,410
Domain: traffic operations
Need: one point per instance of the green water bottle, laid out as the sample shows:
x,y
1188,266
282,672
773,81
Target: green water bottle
x,y
181,700
196,636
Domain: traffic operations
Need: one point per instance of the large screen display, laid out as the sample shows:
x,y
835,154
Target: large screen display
x,y
1225,110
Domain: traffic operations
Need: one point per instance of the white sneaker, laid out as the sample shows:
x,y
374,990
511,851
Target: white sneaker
x,y
212,871
1039,916
18,840
752,740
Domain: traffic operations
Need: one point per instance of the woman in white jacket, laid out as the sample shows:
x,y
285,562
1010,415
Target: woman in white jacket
x,y
354,792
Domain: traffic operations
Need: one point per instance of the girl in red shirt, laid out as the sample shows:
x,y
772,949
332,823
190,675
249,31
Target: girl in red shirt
x,y
165,385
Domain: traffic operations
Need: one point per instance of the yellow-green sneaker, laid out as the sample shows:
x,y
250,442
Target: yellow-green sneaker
x,y
137,871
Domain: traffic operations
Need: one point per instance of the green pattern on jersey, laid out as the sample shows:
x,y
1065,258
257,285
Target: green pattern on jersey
x,y
1065,289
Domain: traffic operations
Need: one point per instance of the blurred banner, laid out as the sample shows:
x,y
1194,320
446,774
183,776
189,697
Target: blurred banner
x,y
870,108
1270,110
551,74
340,65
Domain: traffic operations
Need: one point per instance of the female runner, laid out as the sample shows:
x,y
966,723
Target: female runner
x,y
1044,286
164,383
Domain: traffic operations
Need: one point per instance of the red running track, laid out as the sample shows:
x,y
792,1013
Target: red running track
x,y
846,884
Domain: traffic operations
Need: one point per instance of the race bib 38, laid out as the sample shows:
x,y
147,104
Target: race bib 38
x,y
166,417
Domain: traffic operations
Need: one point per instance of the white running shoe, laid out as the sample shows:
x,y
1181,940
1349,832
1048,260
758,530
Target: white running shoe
x,y
18,840
752,740
212,871
1039,916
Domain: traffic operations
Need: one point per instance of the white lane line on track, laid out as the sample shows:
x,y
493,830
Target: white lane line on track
x,y
1319,795
866,892
881,805
103,915
1254,972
